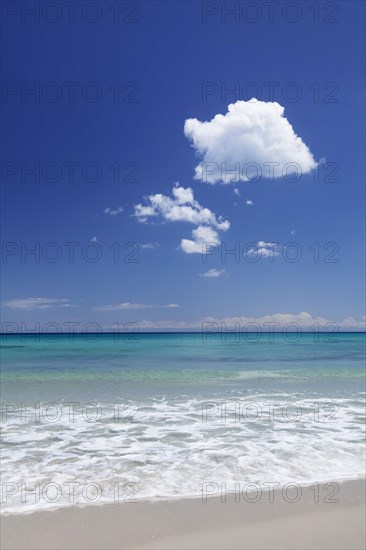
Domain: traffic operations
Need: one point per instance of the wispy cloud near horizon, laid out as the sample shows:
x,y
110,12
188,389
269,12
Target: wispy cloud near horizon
x,y
270,322
128,305
38,303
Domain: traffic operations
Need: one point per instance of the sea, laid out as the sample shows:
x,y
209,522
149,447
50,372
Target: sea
x,y
91,419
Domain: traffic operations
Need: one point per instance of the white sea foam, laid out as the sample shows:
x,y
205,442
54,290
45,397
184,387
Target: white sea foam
x,y
169,447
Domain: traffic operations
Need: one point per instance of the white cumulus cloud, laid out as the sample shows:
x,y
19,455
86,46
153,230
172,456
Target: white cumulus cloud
x,y
252,139
203,237
182,207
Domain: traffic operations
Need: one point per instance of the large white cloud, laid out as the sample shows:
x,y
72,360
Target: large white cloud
x,y
253,139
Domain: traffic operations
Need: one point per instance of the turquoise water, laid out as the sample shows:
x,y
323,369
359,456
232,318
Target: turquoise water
x,y
166,412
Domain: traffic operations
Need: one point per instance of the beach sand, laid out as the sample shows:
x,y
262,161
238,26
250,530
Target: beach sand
x,y
191,523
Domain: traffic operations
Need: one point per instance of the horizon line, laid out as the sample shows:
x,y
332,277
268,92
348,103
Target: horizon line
x,y
180,332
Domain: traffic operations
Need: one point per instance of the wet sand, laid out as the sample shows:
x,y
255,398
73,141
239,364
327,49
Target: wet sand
x,y
194,524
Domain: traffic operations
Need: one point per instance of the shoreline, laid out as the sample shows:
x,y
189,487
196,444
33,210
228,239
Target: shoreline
x,y
186,497
188,523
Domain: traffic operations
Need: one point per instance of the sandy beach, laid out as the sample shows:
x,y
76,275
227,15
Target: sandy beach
x,y
192,523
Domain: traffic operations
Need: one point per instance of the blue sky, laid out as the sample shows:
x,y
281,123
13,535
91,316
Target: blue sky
x,y
161,54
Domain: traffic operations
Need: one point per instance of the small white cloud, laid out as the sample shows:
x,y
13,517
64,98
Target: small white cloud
x,y
93,240
293,232
149,246
252,139
113,211
128,305
249,202
237,192
37,303
213,273
265,249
